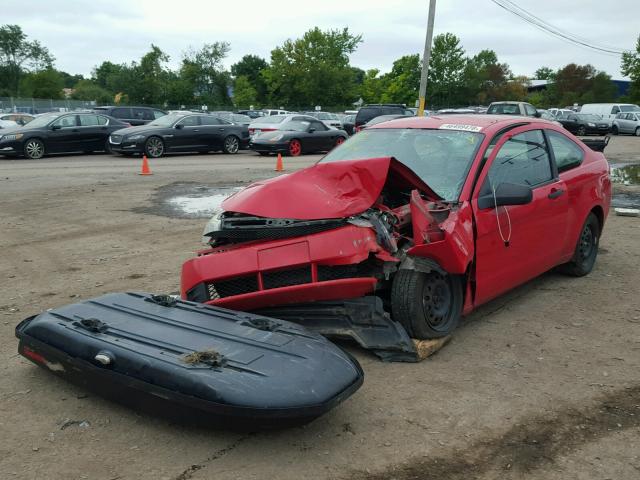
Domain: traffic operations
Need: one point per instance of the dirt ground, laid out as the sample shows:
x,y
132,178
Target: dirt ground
x,y
543,383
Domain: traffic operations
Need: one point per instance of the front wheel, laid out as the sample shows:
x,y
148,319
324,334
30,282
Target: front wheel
x,y
231,144
295,148
638,132
154,147
584,256
428,305
582,131
339,141
34,149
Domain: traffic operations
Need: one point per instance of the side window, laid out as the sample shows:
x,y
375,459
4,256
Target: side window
x,y
523,160
211,120
158,114
615,109
121,113
66,121
191,121
102,120
89,120
568,154
319,126
530,110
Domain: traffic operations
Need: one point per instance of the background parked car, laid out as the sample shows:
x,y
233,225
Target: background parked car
x,y
348,124
19,118
275,122
60,133
381,119
559,112
269,112
512,108
329,119
626,123
585,124
236,118
8,124
368,112
252,113
296,137
181,132
608,111
132,115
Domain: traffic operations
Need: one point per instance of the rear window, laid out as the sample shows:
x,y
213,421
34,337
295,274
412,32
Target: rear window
x,y
121,112
366,114
273,119
504,109
568,155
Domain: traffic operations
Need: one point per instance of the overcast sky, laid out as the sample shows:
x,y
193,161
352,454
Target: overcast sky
x,y
81,34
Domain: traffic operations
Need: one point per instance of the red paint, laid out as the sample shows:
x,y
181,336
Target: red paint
x,y
465,242
32,355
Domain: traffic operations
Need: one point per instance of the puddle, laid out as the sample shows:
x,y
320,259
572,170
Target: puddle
x,y
187,200
628,174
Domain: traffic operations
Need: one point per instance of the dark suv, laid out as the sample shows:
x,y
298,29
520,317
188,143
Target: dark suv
x,y
369,112
132,115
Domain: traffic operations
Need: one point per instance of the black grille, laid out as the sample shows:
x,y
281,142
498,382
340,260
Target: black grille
x,y
233,286
284,278
256,228
336,272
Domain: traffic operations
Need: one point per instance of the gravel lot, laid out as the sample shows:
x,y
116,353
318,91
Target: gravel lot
x,y
542,383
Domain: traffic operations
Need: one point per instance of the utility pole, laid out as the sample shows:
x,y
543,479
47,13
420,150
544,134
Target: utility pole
x,y
426,57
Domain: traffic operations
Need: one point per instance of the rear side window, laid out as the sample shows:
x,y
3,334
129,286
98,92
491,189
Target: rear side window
x,y
90,120
66,121
366,114
530,110
319,126
615,109
158,114
142,114
523,160
121,113
568,155
191,121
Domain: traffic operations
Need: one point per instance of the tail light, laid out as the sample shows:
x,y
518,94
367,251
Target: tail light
x,y
252,131
35,356
127,124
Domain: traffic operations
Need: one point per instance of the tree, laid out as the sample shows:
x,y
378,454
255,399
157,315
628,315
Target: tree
x,y
446,71
89,90
42,84
70,80
372,86
113,78
18,55
631,68
485,79
544,73
244,95
313,70
251,67
204,71
403,82
151,74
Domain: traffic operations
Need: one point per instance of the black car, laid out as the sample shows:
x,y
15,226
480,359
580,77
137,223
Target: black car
x,y
132,115
585,124
348,124
60,133
381,119
181,132
368,112
297,137
253,114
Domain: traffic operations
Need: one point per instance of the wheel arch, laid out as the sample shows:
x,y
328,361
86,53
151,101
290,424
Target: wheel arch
x,y
598,211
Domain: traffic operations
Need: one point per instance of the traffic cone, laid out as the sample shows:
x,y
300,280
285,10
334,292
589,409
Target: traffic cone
x,y
279,165
145,166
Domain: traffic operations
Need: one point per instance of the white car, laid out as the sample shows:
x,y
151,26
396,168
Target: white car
x,y
8,124
329,119
274,122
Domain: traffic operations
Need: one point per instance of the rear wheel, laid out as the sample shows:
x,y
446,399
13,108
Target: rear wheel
x,y
614,130
428,305
295,148
107,147
584,256
638,132
231,144
339,141
34,148
582,130
154,147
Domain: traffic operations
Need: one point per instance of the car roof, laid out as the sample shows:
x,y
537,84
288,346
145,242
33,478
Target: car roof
x,y
483,122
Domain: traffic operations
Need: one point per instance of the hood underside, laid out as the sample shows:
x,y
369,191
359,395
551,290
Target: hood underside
x,y
325,190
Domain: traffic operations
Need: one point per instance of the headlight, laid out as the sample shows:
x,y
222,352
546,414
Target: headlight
x,y
11,137
278,137
591,124
213,225
134,137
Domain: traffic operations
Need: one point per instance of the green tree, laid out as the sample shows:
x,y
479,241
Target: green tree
x,y
89,90
42,84
251,67
244,94
19,55
313,70
446,71
631,68
403,82
152,78
544,73
113,78
204,71
373,86
485,79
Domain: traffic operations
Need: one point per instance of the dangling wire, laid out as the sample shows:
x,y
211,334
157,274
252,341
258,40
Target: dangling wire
x,y
507,240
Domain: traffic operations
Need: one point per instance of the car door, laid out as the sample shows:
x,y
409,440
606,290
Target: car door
x,y
518,242
320,139
635,122
214,130
187,136
571,123
92,132
64,135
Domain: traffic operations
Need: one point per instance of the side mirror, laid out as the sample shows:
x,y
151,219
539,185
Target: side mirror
x,y
537,114
179,126
311,130
55,127
506,194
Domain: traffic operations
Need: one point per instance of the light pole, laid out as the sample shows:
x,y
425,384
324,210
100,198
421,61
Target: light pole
x,y
426,57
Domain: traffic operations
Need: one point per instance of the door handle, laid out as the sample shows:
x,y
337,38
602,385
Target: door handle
x,y
196,130
221,129
555,193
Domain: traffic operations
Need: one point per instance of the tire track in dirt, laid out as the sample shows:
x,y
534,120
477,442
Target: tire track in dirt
x,y
531,443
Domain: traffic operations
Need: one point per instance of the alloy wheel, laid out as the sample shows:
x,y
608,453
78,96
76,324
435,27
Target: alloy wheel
x,y
155,147
295,148
231,144
34,149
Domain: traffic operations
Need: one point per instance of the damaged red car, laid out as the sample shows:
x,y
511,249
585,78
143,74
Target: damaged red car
x,y
406,227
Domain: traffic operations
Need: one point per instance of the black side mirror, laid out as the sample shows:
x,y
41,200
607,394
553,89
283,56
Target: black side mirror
x,y
55,127
506,194
311,130
179,126
537,115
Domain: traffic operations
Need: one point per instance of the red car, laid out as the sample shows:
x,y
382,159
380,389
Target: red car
x,y
433,216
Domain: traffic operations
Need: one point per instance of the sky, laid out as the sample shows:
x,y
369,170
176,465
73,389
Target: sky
x,y
82,34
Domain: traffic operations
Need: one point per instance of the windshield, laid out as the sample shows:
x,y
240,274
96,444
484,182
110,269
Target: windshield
x,y
43,120
629,108
166,120
441,158
588,117
504,109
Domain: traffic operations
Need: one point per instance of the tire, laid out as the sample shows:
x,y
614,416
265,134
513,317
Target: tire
x,y
154,147
428,305
584,256
339,141
295,148
231,144
614,130
107,147
638,132
582,131
34,149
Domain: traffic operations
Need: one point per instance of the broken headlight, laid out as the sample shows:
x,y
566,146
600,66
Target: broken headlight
x,y
213,225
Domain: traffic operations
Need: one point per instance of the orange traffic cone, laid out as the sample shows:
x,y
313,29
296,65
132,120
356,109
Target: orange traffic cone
x,y
279,165
145,166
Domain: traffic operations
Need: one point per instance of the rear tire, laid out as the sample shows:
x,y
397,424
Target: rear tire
x,y
34,149
638,132
231,144
428,305
584,256
614,130
154,147
582,131
107,147
295,148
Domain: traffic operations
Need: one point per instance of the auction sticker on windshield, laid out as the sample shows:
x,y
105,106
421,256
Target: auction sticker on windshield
x,y
454,126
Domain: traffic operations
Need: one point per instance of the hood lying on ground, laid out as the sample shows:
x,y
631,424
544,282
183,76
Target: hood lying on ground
x,y
325,190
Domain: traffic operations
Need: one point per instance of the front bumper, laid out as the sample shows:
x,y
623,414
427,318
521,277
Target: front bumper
x,y
127,147
598,130
13,147
269,147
